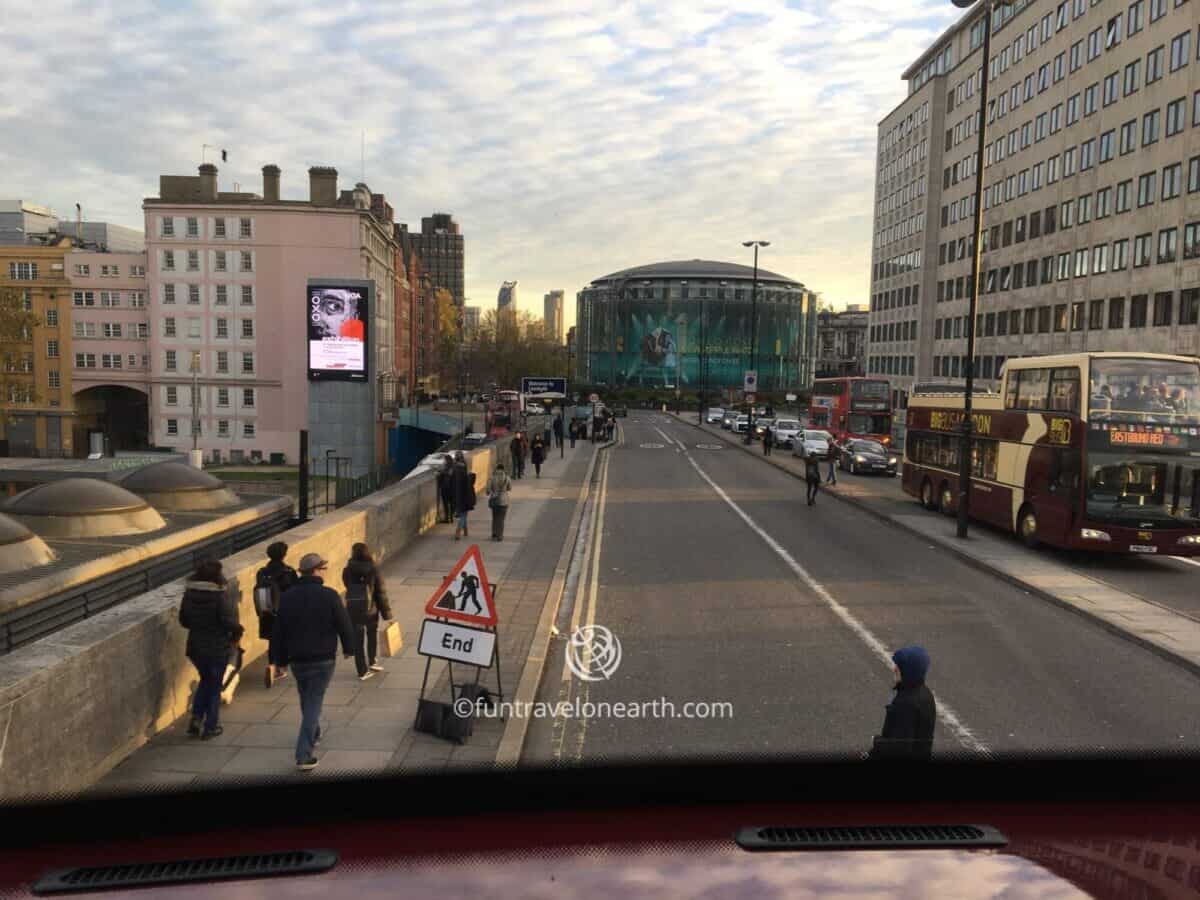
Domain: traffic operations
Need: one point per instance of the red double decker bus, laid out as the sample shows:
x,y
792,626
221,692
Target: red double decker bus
x,y
852,408
1093,451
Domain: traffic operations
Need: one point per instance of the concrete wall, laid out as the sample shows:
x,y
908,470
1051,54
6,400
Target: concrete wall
x,y
76,704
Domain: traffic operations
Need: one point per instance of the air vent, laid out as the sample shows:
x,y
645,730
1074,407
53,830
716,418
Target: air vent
x,y
180,871
870,837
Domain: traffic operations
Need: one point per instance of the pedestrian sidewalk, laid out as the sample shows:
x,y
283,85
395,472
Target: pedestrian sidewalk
x,y
1154,626
367,725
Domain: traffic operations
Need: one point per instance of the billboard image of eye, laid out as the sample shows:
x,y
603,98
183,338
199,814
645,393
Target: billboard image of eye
x,y
337,333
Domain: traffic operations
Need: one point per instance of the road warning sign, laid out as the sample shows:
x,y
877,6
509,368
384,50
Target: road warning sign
x,y
465,595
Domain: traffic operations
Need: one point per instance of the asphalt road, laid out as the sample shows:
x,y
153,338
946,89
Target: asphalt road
x,y
787,617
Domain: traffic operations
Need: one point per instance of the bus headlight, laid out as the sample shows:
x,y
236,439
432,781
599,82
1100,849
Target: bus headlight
x,y
1091,534
1190,539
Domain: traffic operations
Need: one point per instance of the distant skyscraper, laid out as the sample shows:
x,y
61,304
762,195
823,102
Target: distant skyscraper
x,y
506,300
553,316
470,322
440,245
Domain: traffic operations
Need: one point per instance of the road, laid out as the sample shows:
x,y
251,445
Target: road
x,y
723,586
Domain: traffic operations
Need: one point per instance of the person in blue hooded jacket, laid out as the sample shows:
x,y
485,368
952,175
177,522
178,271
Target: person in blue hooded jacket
x,y
908,724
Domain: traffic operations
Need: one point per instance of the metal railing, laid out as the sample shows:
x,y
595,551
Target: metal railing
x,y
331,486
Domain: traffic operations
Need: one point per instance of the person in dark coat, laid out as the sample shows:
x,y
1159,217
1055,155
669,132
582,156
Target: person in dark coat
x,y
537,455
908,724
464,494
312,620
558,431
812,475
573,431
768,441
278,576
366,599
209,612
446,490
517,449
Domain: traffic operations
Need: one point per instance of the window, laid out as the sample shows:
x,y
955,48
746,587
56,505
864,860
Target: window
x,y
247,295
248,397
222,428
52,349
1096,315
222,328
1191,240
172,427
219,228
1081,262
1120,255
1043,319
1133,77
1116,312
244,228
193,227
1176,116
222,295
1135,20
53,379
1035,224
1100,259
222,397
1091,97
1103,203
1129,137
193,263
168,293
84,329
110,360
1060,317
1146,189
171,361
220,261
1167,244
1137,311
1142,250
168,260
1072,109
167,227
1067,217
1172,179
1112,32
137,271
223,362
169,327
137,299
1163,302
1076,56
112,329
1068,158
247,363
1181,50
247,261
193,328
1077,317
1124,191
247,328
83,298
52,318
1052,170
143,330
1060,67
1094,43
248,429
1087,154
1154,64
193,295
1150,122
1112,89
1189,306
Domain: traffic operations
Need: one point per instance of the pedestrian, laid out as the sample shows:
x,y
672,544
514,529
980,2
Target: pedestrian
x,y
274,578
446,489
573,432
558,431
209,612
366,599
910,718
464,495
516,450
498,487
812,475
768,442
831,470
312,620
537,455
547,435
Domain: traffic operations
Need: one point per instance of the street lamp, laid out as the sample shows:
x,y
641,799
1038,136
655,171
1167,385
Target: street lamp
x,y
964,453
753,327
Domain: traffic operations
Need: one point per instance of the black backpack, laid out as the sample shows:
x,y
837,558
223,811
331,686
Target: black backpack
x,y
266,593
358,598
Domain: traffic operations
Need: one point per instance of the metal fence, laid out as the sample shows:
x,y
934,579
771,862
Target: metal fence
x,y
331,486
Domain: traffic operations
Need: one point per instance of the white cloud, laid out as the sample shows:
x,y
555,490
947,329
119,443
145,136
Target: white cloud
x,y
569,141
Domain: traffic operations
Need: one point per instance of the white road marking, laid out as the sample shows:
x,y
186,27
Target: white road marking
x,y
1184,559
962,733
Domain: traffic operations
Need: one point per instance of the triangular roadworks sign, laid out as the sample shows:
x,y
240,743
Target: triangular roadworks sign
x,y
465,595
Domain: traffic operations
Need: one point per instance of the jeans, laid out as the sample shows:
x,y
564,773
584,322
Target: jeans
x,y
498,514
462,520
813,487
831,473
312,680
366,645
206,704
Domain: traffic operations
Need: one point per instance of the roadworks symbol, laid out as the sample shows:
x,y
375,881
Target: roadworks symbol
x,y
593,653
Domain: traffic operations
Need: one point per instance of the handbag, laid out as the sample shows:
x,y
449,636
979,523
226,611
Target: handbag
x,y
390,639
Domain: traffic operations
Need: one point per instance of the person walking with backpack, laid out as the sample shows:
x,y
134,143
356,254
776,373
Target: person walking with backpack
x,y
272,580
909,722
498,487
538,455
446,490
812,475
312,620
464,494
366,599
209,612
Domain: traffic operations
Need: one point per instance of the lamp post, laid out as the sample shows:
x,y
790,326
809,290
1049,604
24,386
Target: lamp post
x,y
964,453
753,326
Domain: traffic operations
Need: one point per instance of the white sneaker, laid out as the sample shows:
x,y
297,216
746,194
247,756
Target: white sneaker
x,y
366,675
376,667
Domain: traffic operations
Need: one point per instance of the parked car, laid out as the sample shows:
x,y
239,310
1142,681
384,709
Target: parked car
x,y
867,457
741,424
714,416
728,419
785,431
761,426
474,439
812,441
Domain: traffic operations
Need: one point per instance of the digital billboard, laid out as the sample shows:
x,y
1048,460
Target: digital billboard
x,y
337,317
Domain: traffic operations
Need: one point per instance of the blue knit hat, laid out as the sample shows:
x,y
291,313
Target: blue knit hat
x,y
913,663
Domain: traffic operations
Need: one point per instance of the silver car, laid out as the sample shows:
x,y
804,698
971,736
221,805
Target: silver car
x,y
715,415
728,419
785,431
741,424
812,442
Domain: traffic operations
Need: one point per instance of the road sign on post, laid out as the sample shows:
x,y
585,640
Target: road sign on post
x,y
465,595
751,382
533,387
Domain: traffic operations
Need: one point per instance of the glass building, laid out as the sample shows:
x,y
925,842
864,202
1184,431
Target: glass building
x,y
686,325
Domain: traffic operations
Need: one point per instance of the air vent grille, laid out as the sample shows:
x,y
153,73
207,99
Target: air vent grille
x,y
261,865
866,837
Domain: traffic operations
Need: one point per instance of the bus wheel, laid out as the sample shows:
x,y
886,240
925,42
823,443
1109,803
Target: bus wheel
x,y
1027,526
946,501
927,495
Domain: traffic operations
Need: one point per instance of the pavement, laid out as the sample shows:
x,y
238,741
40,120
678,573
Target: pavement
x,y
724,588
1153,601
367,725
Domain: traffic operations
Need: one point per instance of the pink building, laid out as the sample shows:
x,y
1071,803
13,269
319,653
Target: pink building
x,y
109,326
227,283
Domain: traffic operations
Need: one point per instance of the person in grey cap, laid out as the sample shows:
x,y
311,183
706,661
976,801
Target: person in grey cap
x,y
311,621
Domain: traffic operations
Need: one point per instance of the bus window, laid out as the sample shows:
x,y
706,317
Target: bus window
x,y
984,454
1064,390
1033,387
1064,471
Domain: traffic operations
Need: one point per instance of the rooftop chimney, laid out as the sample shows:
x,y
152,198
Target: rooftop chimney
x,y
208,183
322,186
270,183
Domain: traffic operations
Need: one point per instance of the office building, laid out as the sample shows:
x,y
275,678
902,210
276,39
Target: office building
x,y
841,341
1092,191
506,298
552,320
441,246
470,322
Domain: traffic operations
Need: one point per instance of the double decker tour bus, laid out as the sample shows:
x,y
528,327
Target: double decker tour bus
x,y
1092,451
852,408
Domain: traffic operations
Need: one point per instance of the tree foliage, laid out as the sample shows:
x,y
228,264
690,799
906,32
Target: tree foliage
x,y
16,344
510,346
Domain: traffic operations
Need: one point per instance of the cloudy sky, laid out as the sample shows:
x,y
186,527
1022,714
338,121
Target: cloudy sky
x,y
569,140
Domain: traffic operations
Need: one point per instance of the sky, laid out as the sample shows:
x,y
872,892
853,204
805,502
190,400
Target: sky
x,y
568,140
